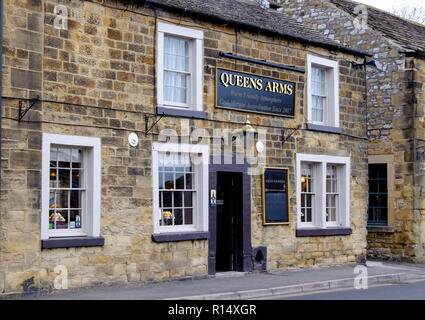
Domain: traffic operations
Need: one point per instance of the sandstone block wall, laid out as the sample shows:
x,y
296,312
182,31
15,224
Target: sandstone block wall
x,y
97,79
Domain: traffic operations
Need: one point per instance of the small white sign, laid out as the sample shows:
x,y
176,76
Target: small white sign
x,y
133,139
260,146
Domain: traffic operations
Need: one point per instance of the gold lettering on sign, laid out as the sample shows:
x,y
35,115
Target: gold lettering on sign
x,y
228,79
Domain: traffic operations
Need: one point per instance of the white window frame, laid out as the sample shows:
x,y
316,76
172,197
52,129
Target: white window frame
x,y
195,82
331,109
90,218
200,206
319,175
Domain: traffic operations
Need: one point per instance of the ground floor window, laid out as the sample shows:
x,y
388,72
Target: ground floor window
x,y
180,187
70,186
378,194
323,191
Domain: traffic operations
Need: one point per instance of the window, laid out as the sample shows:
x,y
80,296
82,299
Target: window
x,y
331,193
323,91
307,193
180,187
378,194
176,189
70,186
179,67
323,191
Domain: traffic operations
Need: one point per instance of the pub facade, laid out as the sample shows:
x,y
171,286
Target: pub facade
x,y
175,139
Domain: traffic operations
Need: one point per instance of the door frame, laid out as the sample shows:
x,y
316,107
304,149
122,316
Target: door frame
x,y
246,212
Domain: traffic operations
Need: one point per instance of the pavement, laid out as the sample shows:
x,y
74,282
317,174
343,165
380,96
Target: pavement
x,y
245,286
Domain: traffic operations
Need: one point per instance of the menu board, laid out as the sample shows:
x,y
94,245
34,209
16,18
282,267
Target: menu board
x,y
275,196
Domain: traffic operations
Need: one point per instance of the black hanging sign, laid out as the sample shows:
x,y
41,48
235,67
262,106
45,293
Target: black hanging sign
x,y
242,91
275,196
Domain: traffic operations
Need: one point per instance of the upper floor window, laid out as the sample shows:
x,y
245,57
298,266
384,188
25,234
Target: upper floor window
x,y
322,91
179,71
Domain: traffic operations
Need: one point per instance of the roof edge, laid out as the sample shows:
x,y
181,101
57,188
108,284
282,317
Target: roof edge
x,y
258,28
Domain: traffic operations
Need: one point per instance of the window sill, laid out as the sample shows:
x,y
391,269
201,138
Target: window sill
x,y
180,236
184,113
380,229
69,242
321,128
319,232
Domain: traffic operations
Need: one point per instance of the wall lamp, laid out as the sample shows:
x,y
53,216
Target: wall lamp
x,y
370,63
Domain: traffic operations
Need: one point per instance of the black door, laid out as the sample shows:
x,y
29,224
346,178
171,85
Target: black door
x,y
229,254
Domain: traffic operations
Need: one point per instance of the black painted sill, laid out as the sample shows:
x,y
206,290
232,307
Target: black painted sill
x,y
180,236
323,232
69,242
183,113
320,128
380,229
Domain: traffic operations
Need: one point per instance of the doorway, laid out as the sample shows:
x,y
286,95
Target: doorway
x,y
229,235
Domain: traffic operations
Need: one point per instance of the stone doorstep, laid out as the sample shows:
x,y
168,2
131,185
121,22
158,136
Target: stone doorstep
x,y
303,287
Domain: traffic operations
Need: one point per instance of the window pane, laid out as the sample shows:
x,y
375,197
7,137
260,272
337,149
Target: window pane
x,y
188,199
309,202
179,180
167,199
175,87
76,179
187,163
373,201
373,186
64,157
189,179
188,216
178,199
303,183
382,170
382,184
53,157
64,178
161,180
176,54
167,217
178,216
61,219
308,215
169,180
51,219
52,200
75,219
62,198
179,163
75,199
76,158
53,178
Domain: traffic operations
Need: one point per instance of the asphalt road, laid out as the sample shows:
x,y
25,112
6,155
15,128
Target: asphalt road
x,y
407,291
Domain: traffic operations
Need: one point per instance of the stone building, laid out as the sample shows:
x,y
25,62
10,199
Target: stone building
x,y
152,140
395,87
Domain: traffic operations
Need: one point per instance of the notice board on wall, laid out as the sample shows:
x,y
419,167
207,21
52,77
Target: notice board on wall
x,y
275,196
